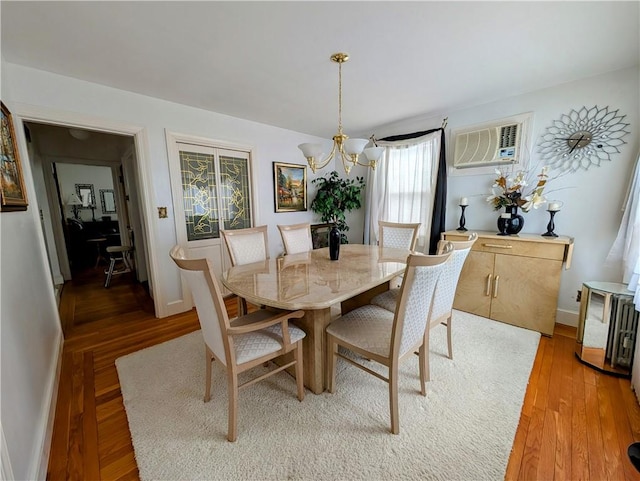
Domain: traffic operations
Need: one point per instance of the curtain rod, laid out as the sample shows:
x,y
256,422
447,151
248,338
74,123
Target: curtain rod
x,y
410,136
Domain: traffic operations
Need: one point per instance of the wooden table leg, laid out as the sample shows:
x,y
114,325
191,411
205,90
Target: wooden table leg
x,y
314,323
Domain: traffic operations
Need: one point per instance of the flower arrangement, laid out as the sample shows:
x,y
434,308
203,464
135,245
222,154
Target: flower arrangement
x,y
512,191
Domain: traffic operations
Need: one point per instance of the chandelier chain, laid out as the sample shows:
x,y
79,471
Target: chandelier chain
x,y
340,97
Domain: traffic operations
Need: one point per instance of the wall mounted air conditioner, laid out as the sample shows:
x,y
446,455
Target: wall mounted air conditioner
x,y
494,143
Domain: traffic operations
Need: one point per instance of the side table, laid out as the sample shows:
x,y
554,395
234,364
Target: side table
x,y
607,327
98,241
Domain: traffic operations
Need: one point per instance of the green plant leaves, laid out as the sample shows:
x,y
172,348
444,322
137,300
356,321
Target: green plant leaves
x,y
336,196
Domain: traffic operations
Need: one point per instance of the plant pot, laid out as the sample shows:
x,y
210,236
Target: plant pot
x,y
513,224
334,243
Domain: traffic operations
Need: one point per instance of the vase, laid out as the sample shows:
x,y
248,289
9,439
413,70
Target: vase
x,y
512,224
334,243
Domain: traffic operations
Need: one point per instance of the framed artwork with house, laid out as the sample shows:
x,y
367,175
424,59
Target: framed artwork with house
x,y
13,192
290,187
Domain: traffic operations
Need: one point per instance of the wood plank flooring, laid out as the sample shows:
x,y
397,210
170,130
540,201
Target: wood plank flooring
x,y
576,423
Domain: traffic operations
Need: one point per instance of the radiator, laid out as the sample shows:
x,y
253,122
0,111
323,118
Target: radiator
x,y
623,328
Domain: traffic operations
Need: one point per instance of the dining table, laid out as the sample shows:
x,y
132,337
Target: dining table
x,y
321,287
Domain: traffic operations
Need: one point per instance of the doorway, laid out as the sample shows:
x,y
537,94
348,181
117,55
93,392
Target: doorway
x,y
88,201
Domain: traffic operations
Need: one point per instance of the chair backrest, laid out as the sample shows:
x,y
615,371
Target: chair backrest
x,y
415,299
210,306
446,288
247,245
296,238
401,236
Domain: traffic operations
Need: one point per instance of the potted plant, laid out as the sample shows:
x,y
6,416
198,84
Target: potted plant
x,y
336,196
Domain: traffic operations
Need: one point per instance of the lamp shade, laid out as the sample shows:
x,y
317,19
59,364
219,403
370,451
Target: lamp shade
x,y
355,146
74,200
311,150
374,153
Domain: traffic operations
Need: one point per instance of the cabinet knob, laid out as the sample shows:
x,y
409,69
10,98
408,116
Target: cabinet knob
x,y
488,292
495,286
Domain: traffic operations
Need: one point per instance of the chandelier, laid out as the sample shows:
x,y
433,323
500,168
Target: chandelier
x,y
348,149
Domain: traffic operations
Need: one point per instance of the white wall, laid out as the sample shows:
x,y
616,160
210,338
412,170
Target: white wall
x,y
30,340
30,324
71,174
592,198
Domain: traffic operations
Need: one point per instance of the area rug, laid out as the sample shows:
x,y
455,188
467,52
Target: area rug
x,y
462,430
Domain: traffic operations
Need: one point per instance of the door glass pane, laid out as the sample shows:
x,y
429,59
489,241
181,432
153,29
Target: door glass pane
x,y
199,195
234,192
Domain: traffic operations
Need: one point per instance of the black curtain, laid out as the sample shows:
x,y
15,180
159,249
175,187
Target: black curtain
x,y
440,198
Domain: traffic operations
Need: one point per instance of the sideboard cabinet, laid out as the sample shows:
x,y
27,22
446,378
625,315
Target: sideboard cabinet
x,y
513,279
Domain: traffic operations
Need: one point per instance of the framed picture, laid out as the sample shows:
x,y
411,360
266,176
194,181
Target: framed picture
x,y
290,186
13,193
107,201
86,194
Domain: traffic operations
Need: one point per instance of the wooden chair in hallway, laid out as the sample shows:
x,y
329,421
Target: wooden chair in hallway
x,y
242,343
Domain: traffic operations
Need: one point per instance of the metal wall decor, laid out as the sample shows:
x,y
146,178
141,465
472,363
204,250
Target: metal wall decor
x,y
583,138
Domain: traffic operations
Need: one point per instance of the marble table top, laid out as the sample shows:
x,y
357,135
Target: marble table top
x,y
311,280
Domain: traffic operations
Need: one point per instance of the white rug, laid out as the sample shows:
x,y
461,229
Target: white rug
x,y
462,430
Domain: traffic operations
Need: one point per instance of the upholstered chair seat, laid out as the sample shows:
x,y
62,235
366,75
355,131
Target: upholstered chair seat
x,y
444,294
242,343
386,337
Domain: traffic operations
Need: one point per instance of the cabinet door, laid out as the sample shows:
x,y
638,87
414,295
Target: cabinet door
x,y
473,293
526,292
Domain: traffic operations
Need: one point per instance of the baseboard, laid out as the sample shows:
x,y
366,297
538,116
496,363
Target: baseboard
x,y
6,472
568,318
40,470
175,307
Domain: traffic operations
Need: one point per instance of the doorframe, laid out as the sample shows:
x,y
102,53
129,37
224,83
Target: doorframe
x,y
28,113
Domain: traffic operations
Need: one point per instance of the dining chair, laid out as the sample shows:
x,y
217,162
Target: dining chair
x,y
246,246
389,338
398,235
296,238
444,293
242,343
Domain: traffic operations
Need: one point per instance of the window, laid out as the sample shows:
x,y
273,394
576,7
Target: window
x,y
215,190
403,186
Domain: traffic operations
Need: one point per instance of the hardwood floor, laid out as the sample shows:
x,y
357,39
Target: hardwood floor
x,y
576,423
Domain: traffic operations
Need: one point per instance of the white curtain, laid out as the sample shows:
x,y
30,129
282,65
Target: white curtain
x,y
626,248
402,187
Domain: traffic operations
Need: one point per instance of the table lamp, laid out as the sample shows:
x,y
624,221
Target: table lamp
x,y
74,201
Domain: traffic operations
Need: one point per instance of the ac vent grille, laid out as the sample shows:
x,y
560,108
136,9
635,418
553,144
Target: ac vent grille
x,y
508,136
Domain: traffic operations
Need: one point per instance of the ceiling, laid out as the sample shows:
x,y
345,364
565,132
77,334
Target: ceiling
x,y
269,61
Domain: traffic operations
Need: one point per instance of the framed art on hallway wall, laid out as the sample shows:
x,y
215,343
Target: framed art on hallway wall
x,y
13,192
290,187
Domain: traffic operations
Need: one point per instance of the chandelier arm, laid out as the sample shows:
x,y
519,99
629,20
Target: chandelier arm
x,y
323,163
371,163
